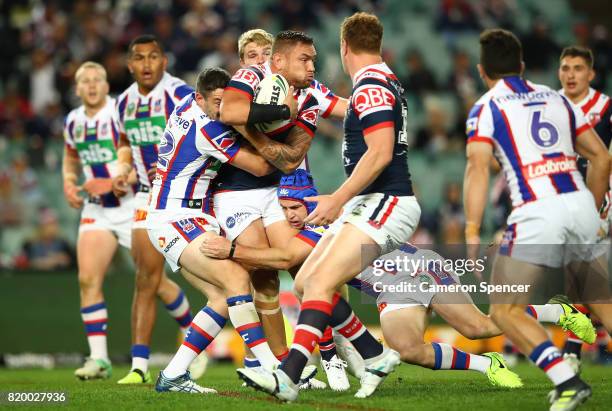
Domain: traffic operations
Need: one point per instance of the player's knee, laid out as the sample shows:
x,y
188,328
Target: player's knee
x,y
266,283
472,330
90,281
499,312
240,284
413,354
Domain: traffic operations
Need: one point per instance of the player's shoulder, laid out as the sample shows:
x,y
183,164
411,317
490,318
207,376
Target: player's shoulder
x,y
375,74
131,90
76,114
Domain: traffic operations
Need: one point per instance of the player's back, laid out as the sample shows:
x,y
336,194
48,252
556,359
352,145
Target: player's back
x,y
533,131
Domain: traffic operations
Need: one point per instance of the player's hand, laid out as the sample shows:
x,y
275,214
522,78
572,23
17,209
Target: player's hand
x,y
216,247
291,101
152,173
71,192
120,185
327,211
98,186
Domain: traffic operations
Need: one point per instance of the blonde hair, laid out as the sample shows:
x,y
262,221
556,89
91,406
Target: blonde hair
x,y
88,65
258,36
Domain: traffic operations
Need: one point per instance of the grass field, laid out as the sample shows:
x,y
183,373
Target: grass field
x,y
408,388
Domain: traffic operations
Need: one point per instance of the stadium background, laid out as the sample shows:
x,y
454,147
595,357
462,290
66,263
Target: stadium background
x,y
431,44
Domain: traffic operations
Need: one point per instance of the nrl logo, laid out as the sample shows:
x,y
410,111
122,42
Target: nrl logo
x,y
161,241
131,108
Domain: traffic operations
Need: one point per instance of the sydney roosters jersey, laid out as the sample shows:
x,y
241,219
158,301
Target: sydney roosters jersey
x,y
95,140
142,120
376,103
533,130
312,101
597,109
191,151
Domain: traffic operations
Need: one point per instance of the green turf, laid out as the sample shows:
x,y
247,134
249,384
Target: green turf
x,y
409,388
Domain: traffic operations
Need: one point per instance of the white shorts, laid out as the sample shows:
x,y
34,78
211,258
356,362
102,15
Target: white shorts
x,y
554,231
236,210
117,220
389,220
141,205
172,237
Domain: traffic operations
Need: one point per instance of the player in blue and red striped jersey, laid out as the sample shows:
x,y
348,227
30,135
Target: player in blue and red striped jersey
x,y
143,110
535,134
91,139
191,151
575,74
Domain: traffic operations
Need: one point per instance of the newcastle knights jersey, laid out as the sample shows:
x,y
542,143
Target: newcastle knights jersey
x,y
533,131
142,120
191,152
95,141
376,103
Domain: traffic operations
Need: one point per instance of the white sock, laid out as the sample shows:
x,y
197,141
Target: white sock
x,y
180,362
206,325
548,313
95,318
141,363
243,315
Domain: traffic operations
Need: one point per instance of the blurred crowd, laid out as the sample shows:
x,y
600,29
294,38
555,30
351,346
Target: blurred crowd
x,y
43,42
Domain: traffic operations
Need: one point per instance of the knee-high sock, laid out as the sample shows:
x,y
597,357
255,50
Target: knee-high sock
x,y
95,318
344,320
179,310
204,328
244,318
313,319
450,358
327,346
549,359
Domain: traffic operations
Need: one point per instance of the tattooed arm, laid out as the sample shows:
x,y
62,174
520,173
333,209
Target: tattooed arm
x,y
285,156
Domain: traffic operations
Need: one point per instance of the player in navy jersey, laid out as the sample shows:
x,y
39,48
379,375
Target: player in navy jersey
x,y
379,213
575,74
143,109
534,133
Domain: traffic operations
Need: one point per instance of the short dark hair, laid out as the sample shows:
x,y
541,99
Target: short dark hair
x,y
210,79
363,33
290,38
145,39
501,53
579,51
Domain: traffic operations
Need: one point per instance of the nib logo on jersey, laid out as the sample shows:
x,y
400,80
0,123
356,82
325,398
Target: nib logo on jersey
x,y
145,131
547,166
96,152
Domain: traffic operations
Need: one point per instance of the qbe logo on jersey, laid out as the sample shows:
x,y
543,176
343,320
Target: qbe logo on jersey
x,y
145,131
369,99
